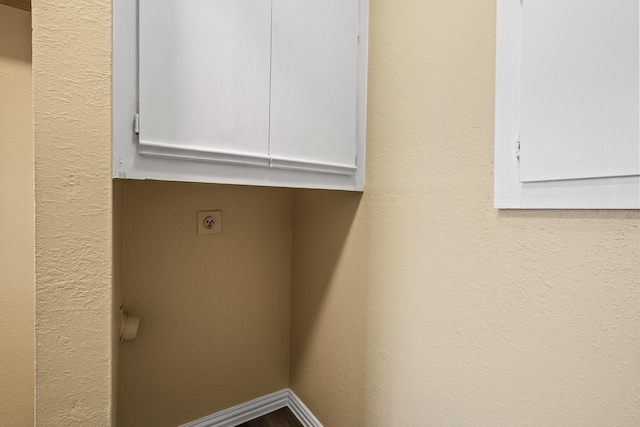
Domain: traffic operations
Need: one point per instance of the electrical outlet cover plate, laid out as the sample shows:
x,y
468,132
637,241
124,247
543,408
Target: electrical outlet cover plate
x,y
217,226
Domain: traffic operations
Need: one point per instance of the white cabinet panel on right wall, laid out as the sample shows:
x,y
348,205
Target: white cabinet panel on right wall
x,y
567,116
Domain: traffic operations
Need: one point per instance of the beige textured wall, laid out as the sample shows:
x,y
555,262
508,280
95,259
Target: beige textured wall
x,y
214,309
73,202
420,304
16,219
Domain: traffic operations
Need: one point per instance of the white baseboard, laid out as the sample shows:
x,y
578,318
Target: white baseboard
x,y
301,411
256,408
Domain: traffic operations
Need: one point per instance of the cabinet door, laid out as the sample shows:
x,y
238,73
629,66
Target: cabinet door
x,y
579,116
566,130
314,85
204,79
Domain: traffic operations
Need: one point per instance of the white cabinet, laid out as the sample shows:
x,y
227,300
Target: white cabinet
x,y
567,116
257,92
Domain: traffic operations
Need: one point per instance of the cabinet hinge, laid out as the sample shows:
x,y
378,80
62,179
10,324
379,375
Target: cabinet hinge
x,y
518,148
136,123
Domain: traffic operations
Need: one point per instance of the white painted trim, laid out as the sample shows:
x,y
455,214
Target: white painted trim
x,y
333,168
301,412
190,152
361,109
256,408
176,151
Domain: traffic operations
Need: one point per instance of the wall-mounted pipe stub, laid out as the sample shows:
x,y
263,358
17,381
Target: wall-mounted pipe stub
x,y
129,327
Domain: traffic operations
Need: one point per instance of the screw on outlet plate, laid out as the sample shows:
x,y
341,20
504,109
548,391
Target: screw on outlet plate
x,y
209,222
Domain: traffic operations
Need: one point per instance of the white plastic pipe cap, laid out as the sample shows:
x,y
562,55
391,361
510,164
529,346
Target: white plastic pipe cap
x,y
129,327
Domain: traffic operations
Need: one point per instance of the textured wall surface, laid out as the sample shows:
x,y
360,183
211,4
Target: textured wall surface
x,y
16,219
72,117
214,309
420,304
